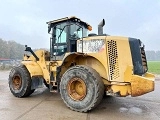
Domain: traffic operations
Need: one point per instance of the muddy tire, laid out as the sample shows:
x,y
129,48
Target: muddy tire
x,y
81,88
20,82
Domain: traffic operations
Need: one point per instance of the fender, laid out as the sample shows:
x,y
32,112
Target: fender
x,y
33,68
85,59
69,57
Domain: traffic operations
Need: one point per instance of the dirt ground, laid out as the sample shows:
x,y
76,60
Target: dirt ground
x,y
43,105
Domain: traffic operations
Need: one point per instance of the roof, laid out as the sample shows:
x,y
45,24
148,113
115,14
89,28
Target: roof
x,y
67,18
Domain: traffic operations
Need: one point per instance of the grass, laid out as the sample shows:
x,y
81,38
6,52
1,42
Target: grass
x,y
154,67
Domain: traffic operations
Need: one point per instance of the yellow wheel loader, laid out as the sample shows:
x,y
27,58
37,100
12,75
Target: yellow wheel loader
x,y
83,67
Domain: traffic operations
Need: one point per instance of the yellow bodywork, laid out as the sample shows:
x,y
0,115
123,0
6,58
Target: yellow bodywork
x,y
118,78
123,82
141,85
41,67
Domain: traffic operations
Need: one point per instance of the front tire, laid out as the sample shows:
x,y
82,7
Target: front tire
x,y
81,88
20,82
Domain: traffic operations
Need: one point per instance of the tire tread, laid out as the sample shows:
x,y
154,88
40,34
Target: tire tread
x,y
26,92
99,87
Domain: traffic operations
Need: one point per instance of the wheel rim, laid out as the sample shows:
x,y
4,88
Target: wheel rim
x,y
17,82
76,89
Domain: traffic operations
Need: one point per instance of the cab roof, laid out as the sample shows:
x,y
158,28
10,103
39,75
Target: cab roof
x,y
72,18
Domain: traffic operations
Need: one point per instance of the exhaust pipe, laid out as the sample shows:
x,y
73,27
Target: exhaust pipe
x,y
100,27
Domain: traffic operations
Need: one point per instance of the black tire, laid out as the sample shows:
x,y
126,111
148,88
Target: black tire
x,y
45,83
94,88
22,88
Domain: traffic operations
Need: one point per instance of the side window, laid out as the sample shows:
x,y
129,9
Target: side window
x,y
60,46
76,31
61,33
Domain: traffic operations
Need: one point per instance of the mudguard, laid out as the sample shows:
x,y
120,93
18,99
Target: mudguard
x,y
33,68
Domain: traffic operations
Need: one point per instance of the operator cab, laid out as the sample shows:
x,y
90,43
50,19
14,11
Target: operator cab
x,y
64,35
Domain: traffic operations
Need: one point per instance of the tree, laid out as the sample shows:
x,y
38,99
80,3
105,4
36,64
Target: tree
x,y
11,50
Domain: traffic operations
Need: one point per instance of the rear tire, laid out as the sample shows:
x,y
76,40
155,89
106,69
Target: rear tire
x,y
20,82
81,88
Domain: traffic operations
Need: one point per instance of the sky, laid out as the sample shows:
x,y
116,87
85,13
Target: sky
x,y
24,21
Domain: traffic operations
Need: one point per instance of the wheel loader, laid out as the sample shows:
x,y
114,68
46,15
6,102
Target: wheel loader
x,y
83,66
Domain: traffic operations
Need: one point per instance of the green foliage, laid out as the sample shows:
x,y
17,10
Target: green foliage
x,y
11,50
154,67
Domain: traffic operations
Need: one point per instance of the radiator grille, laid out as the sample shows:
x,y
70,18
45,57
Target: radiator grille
x,y
113,60
144,61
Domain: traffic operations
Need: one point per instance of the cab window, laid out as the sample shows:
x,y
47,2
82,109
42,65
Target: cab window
x,y
60,46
